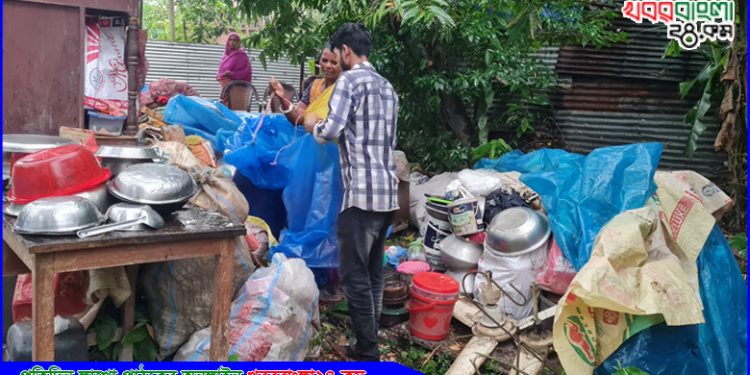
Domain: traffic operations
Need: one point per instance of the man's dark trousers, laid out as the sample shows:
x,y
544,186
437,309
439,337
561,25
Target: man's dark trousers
x,y
361,237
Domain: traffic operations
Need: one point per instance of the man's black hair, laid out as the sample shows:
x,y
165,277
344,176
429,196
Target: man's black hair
x,y
354,35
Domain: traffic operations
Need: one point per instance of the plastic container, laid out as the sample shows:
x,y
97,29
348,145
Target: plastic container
x,y
105,124
433,296
464,216
70,342
60,171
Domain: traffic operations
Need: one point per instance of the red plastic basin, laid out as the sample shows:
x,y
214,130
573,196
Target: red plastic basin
x,y
59,171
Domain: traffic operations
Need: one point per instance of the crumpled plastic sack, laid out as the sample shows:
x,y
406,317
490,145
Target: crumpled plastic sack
x,y
719,346
179,155
642,271
313,199
217,192
480,183
179,295
199,113
557,272
271,319
266,155
582,193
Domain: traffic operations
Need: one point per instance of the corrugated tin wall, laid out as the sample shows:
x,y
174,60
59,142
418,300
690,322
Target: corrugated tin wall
x,y
197,64
628,94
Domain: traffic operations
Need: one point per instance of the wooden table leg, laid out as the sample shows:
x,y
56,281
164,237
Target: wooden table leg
x,y
222,302
128,319
43,309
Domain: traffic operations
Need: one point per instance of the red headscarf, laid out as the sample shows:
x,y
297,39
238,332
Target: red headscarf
x,y
235,62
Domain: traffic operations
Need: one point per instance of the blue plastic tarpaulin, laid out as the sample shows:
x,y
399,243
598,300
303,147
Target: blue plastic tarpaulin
x,y
200,113
280,156
582,193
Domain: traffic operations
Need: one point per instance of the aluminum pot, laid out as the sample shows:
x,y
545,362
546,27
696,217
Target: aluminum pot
x,y
459,254
99,195
58,216
164,187
517,231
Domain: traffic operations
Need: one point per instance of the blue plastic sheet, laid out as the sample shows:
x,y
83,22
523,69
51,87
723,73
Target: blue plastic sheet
x,y
199,113
582,193
281,156
313,200
267,156
718,346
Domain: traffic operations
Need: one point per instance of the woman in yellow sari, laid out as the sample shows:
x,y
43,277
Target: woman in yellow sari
x,y
315,98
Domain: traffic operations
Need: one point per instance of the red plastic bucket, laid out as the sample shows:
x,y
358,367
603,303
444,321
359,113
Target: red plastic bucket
x,y
433,296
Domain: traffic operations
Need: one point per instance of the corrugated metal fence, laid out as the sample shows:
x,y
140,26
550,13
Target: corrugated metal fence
x,y
197,64
628,93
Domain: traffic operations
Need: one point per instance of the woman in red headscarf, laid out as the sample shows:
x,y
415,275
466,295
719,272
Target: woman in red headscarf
x,y
235,65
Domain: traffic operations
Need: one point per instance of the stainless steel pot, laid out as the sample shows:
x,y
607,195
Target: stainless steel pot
x,y
58,216
516,231
164,187
459,254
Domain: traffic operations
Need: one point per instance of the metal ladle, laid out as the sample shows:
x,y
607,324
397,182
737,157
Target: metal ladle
x,y
147,216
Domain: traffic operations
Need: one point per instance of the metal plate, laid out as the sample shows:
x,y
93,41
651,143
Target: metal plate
x,y
30,143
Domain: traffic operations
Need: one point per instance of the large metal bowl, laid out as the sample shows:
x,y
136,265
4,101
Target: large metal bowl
x,y
12,209
459,254
58,216
151,183
98,195
517,230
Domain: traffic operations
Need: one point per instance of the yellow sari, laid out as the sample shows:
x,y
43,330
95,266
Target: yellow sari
x,y
319,100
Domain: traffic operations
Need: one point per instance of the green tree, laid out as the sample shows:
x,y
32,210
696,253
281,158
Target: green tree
x,y
451,62
196,21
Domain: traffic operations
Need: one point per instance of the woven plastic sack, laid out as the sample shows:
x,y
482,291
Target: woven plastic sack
x,y
719,346
218,193
179,295
271,320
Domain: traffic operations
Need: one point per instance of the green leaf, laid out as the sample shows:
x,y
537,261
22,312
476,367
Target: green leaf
x,y
139,333
105,327
144,351
672,50
442,15
686,87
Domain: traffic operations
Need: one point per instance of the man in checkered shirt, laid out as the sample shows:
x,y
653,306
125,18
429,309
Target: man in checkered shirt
x,y
362,116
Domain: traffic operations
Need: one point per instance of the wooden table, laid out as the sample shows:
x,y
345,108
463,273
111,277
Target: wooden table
x,y
189,233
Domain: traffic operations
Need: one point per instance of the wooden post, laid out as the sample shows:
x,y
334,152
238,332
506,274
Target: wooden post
x,y
131,127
